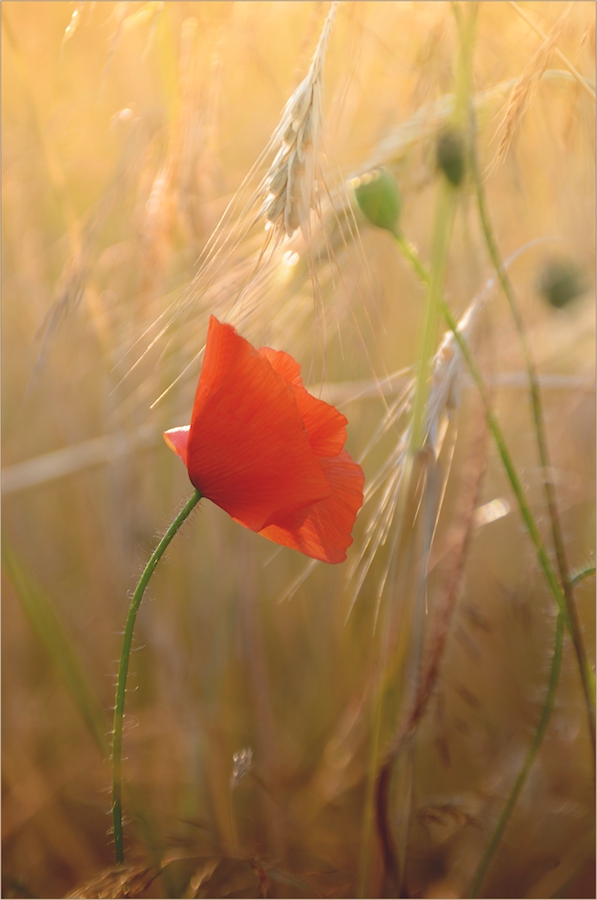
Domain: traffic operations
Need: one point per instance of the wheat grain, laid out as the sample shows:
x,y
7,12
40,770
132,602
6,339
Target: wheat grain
x,y
290,183
526,86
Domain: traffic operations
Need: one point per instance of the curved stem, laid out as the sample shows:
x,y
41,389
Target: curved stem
x,y
534,748
500,441
586,673
127,640
529,759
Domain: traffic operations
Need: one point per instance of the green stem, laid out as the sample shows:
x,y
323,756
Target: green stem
x,y
414,606
580,576
534,748
498,437
586,672
123,671
444,220
544,560
529,760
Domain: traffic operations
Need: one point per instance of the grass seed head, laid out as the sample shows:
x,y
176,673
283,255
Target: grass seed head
x,y
290,184
242,765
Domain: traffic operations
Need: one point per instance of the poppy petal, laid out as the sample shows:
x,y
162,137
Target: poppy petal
x,y
323,530
248,451
283,364
325,426
178,439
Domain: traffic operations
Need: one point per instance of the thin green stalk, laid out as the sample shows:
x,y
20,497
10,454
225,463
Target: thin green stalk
x,y
533,749
544,560
444,221
445,213
580,576
127,640
586,672
529,760
498,437
443,225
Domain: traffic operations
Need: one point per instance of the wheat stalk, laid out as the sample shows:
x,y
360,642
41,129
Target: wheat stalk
x,y
526,87
290,183
441,409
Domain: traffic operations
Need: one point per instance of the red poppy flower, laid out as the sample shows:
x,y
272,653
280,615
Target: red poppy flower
x,y
266,451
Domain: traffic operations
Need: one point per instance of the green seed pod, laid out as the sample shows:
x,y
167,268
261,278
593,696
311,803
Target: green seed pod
x,y
560,282
379,199
450,155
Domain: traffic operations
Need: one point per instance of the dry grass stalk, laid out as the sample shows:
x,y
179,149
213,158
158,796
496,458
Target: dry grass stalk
x,y
165,200
425,679
242,765
291,180
526,87
442,406
128,881
286,196
583,82
73,24
459,539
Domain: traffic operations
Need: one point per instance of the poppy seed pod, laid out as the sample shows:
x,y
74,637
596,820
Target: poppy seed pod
x,y
450,155
560,282
378,196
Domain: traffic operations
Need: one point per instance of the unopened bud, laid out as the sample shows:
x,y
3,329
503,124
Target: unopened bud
x,y
378,196
450,155
561,281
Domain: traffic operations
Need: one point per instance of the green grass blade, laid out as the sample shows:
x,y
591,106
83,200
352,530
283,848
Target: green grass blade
x,y
46,623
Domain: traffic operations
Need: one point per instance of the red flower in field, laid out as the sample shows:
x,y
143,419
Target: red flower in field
x,y
266,451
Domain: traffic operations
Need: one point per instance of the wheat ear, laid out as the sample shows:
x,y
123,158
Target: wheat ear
x,y
290,184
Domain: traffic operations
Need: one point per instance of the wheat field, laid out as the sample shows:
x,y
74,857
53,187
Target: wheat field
x,y
419,720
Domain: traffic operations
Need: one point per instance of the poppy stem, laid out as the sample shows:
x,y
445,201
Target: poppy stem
x,y
127,640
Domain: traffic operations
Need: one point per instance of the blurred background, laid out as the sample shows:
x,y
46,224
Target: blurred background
x,y
127,128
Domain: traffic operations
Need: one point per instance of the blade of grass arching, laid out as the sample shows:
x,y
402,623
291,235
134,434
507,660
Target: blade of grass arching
x,y
582,574
42,616
538,736
586,672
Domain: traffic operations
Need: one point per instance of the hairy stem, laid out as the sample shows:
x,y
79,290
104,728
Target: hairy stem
x,y
540,730
542,555
498,436
586,672
533,749
127,640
